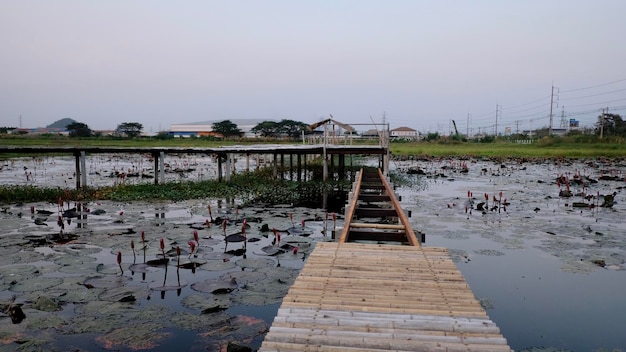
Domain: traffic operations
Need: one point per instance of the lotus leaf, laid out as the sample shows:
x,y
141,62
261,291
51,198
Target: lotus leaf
x,y
36,284
147,337
45,304
206,303
124,294
215,287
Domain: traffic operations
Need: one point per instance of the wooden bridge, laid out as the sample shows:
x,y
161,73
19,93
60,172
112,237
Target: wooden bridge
x,y
378,289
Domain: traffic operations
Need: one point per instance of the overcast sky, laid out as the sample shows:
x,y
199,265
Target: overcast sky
x,y
418,63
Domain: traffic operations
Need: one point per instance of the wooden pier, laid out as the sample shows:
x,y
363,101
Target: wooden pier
x,y
381,291
280,154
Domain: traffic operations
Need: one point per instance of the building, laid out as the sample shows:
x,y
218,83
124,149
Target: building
x,y
403,133
205,128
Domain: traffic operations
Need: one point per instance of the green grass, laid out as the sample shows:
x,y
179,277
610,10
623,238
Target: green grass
x,y
261,187
541,149
575,147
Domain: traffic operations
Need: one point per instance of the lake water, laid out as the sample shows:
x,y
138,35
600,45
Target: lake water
x,y
550,275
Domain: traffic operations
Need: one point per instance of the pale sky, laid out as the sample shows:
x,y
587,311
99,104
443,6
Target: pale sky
x,y
419,63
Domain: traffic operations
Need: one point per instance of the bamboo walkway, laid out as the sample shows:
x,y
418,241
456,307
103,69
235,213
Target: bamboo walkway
x,y
377,295
363,297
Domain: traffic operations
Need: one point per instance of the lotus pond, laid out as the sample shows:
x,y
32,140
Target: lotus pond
x,y
544,253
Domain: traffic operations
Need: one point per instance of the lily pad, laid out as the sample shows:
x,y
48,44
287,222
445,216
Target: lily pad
x,y
82,324
148,337
109,269
106,281
36,284
14,240
45,304
124,294
272,250
255,263
80,268
45,321
73,260
198,322
215,265
236,237
207,304
215,287
105,309
168,286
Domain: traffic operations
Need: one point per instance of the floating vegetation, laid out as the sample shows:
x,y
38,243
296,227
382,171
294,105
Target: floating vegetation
x,y
148,336
45,304
215,287
97,301
488,252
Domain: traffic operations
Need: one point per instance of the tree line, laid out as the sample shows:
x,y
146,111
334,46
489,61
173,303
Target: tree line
x,y
225,129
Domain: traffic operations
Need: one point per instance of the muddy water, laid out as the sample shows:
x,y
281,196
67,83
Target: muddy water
x,y
551,275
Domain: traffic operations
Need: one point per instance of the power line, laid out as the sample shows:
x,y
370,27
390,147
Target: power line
x,y
597,95
596,86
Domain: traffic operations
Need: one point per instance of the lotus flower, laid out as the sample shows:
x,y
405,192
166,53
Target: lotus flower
x,y
196,237
192,245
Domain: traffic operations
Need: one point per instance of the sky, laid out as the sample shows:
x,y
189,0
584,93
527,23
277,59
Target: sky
x,y
485,64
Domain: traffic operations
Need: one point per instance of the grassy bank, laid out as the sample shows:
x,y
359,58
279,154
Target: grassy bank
x,y
261,187
248,187
548,148
554,147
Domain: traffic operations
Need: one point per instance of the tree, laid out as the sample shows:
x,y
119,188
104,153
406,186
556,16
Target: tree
x,y
289,128
266,129
4,130
610,125
79,129
292,128
227,129
131,129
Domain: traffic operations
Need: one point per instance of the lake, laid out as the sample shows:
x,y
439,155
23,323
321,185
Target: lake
x,y
548,269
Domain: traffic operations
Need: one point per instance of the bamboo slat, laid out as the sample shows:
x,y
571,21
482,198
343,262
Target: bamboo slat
x,y
360,297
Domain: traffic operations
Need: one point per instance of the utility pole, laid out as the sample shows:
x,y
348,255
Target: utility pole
x,y
498,112
467,126
602,116
516,126
551,106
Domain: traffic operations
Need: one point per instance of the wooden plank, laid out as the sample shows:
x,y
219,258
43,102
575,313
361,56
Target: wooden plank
x,y
375,212
360,297
376,226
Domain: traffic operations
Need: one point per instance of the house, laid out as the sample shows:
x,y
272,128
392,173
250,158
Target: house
x,y
403,133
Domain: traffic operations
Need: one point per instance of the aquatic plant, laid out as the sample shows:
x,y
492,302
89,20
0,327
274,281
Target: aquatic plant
x,y
119,261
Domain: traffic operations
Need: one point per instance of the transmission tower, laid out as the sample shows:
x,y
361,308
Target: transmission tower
x,y
563,120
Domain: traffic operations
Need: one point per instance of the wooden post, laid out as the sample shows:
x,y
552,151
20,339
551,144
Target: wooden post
x,y
275,165
299,167
155,156
83,170
77,168
227,167
290,167
342,166
219,168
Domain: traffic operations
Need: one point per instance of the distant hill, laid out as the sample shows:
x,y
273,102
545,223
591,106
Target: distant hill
x,y
62,123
